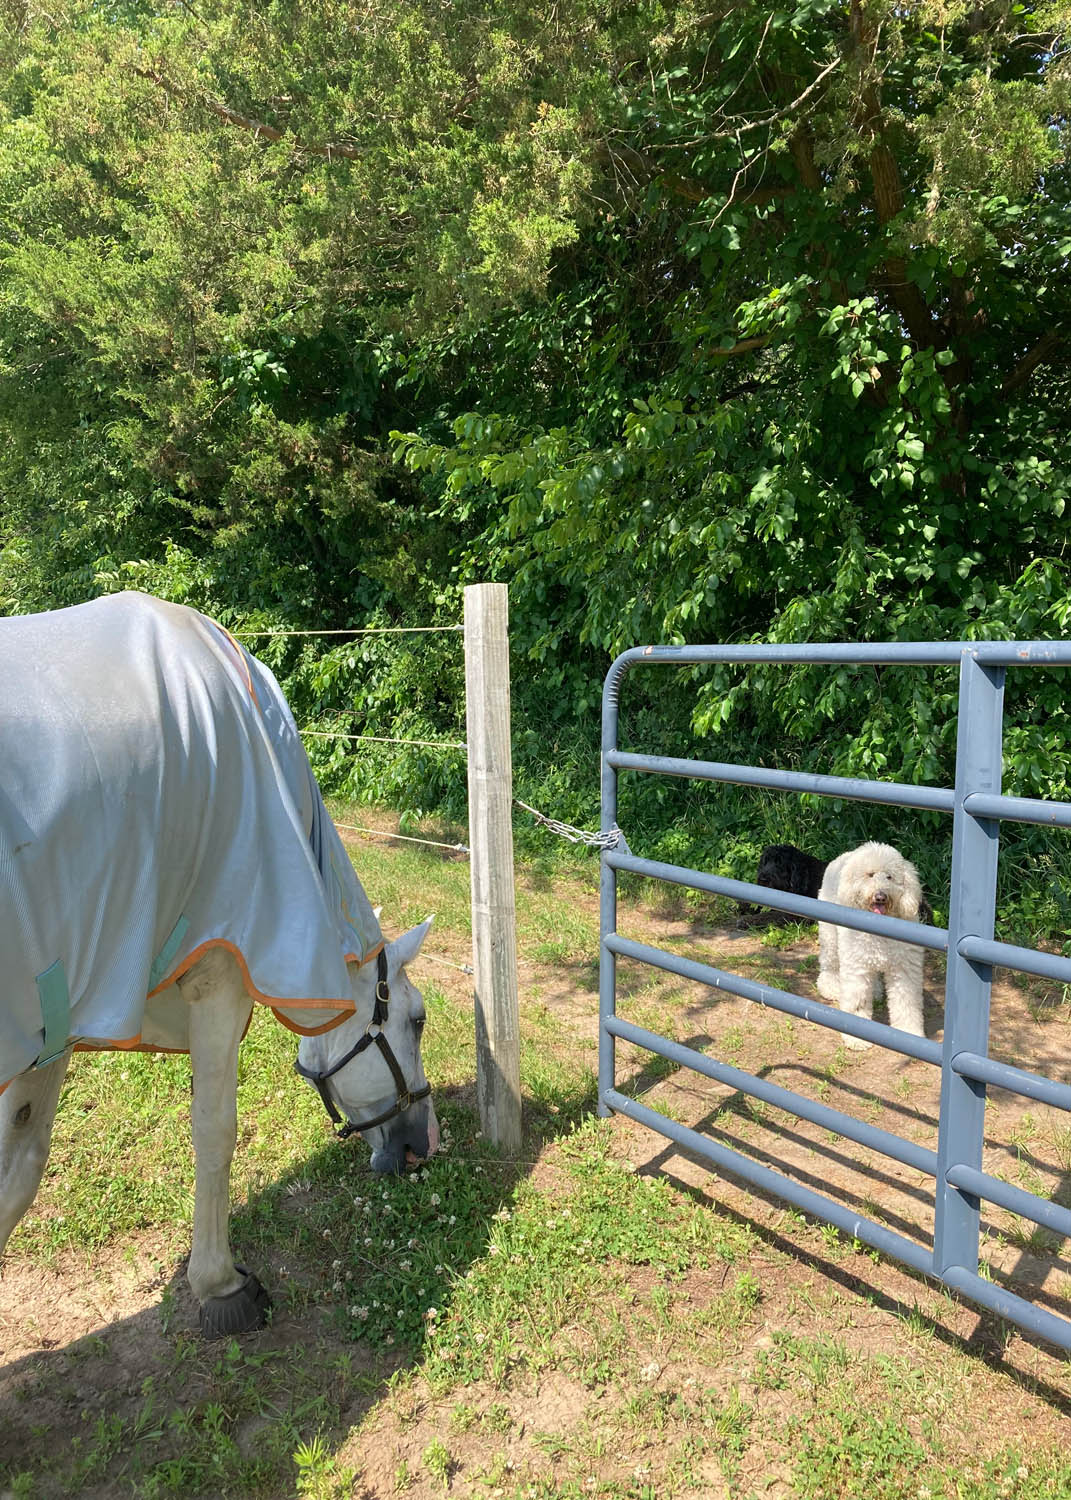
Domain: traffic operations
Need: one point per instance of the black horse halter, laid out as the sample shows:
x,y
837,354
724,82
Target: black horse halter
x,y
373,1032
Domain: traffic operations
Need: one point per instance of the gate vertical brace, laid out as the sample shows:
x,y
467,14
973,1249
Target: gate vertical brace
x,y
972,912
494,922
608,888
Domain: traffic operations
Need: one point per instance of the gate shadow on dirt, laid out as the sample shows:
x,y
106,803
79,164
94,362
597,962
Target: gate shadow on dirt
x,y
876,1186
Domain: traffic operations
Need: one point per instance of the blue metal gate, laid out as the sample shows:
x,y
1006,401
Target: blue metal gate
x,y
977,808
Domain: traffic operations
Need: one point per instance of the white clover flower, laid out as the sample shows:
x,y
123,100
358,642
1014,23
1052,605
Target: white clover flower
x,y
432,1313
405,1265
435,1200
411,1244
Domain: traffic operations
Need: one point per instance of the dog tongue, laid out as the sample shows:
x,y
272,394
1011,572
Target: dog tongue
x,y
878,906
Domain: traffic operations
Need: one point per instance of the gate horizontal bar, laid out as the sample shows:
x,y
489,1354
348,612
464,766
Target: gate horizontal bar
x,y
1007,1305
1017,1080
1018,809
782,1000
803,906
892,793
1014,1199
1024,960
834,653
907,1152
809,1202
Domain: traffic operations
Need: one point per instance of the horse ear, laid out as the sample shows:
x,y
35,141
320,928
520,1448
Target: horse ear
x,y
404,949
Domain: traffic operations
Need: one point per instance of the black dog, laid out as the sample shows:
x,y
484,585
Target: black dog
x,y
783,867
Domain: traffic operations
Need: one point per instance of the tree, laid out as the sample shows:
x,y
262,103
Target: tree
x,y
218,229
850,226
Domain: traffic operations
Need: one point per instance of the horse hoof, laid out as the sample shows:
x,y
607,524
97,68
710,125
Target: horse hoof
x,y
239,1311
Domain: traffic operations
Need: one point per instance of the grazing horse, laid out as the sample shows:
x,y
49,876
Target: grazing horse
x,y
166,861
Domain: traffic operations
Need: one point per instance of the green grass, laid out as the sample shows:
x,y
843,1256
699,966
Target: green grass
x,y
695,1352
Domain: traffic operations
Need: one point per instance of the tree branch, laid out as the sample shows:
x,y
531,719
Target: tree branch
x,y
1028,364
245,122
771,117
888,187
743,346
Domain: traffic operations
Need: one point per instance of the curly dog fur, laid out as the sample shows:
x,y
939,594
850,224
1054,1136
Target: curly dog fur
x,y
875,878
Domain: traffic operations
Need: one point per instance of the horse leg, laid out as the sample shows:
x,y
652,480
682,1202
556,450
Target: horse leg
x,y
27,1111
232,1300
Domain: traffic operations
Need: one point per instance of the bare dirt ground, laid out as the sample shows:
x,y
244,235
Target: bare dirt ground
x,y
809,1283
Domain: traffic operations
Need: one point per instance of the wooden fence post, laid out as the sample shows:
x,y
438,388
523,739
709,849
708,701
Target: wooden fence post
x,y
494,937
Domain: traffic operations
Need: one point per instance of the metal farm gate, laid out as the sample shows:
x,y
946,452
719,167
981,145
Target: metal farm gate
x,y
977,809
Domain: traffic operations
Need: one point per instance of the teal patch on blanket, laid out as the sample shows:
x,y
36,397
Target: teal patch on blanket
x,y
55,1012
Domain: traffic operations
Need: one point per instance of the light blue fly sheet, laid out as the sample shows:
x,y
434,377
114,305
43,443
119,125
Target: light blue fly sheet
x,y
156,801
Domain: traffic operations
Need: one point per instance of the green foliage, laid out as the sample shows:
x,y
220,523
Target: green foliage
x,y
732,324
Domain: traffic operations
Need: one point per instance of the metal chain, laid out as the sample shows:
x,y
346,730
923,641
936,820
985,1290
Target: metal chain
x,y
575,835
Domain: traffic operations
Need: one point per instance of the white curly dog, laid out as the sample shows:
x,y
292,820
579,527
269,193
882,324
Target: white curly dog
x,y
851,965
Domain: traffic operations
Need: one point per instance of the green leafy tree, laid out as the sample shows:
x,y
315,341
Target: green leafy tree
x,y
847,231
708,322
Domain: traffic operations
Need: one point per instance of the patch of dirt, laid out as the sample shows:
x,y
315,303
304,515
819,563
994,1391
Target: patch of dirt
x,y
85,1332
82,1339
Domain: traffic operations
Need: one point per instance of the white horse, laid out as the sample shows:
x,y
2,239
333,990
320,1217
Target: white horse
x,y
165,861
